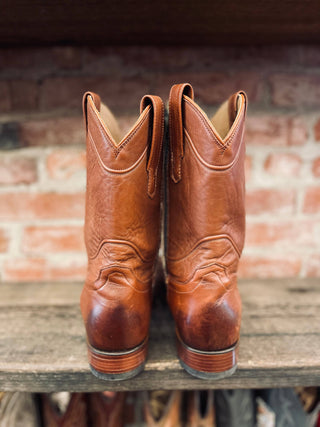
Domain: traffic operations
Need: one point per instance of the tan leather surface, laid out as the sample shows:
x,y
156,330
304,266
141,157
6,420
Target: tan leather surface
x,y
168,414
106,411
122,225
206,221
74,415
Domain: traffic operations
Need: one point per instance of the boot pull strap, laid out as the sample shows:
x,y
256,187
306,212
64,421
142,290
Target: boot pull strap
x,y
176,126
157,126
97,102
233,105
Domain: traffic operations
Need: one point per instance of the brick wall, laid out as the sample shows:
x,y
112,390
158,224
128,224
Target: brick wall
x,y
42,161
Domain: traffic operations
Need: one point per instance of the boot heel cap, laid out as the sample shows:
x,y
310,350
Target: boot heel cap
x,y
208,364
117,366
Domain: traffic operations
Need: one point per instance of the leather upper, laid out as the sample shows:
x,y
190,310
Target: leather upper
x,y
122,225
206,221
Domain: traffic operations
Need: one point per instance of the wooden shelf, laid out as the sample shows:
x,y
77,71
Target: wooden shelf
x,y
168,22
42,341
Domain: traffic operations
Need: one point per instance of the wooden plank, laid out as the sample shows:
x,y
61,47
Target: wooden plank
x,y
42,340
166,22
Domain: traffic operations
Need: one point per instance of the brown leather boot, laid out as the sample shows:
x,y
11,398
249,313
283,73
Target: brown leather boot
x,y
106,410
205,232
163,408
64,409
122,232
200,410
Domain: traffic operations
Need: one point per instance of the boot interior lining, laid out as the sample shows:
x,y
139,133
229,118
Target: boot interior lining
x,y
110,122
221,120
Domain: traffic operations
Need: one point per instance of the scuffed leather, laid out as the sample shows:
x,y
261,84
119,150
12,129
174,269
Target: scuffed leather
x,y
122,226
206,222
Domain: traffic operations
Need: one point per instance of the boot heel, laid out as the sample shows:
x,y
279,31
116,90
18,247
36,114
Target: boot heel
x,y
208,364
117,366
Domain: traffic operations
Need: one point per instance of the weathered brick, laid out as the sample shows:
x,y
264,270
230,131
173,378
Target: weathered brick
x,y
248,168
17,170
10,135
5,99
316,167
24,95
283,164
38,239
24,269
277,130
311,203
252,266
159,57
290,90
63,164
270,201
68,57
40,270
23,206
31,60
317,131
119,92
300,233
70,270
211,87
312,265
4,240
55,131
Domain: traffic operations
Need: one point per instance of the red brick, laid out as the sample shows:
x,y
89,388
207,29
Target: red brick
x,y
56,131
17,170
69,271
4,241
317,131
17,57
24,95
248,167
53,239
289,90
34,59
308,55
68,57
290,232
277,130
5,100
64,92
283,164
316,167
104,60
160,57
24,270
118,92
263,267
211,87
270,201
312,265
40,270
311,202
63,164
24,206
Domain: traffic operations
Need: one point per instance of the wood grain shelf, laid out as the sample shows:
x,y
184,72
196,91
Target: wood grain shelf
x,y
25,22
42,340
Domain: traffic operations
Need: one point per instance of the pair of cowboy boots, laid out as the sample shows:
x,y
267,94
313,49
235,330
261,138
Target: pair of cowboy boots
x,y
83,409
173,409
204,228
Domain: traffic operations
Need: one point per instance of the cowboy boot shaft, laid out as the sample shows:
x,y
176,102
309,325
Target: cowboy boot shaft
x,y
122,226
206,220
